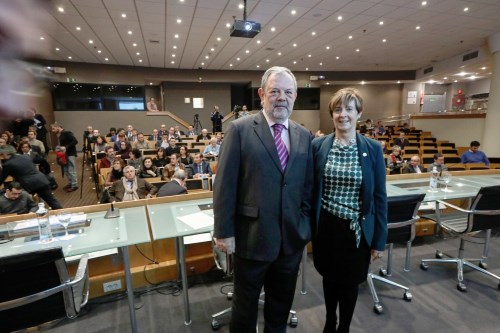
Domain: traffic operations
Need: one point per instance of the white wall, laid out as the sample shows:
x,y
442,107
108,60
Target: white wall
x,y
460,131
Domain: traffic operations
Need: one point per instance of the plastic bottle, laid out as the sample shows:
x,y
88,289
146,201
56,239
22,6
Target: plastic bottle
x,y
433,182
42,215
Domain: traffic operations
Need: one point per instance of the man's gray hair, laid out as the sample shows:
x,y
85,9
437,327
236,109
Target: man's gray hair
x,y
180,174
277,70
128,167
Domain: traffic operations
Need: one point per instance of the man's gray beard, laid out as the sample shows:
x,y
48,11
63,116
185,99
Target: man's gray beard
x,y
278,116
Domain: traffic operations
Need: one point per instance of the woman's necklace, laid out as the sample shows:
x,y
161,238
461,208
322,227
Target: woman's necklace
x,y
343,142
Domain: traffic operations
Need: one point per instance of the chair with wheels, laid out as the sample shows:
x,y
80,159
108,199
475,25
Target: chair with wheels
x,y
482,215
36,289
401,219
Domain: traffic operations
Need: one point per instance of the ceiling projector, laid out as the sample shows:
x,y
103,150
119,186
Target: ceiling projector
x,y
247,29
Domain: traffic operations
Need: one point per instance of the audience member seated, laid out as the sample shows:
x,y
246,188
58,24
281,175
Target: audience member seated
x,y
191,131
401,141
383,144
24,171
218,136
107,161
165,143
9,139
173,166
184,156
148,170
414,166
212,150
141,142
25,139
124,151
203,136
161,158
175,187
406,128
130,132
14,200
112,134
43,165
130,187
200,168
100,144
474,155
135,158
177,131
32,140
155,137
163,130
438,163
172,147
394,161
380,128
173,135
121,137
116,172
151,105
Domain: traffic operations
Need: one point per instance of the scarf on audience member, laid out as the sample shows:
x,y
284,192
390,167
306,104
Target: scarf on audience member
x,y
130,193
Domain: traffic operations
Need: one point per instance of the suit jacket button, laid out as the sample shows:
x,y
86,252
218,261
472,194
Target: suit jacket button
x,y
364,218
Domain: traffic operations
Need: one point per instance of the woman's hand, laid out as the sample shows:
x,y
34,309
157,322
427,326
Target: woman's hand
x,y
376,255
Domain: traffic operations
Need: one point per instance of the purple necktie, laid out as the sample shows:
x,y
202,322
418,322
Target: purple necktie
x,y
280,145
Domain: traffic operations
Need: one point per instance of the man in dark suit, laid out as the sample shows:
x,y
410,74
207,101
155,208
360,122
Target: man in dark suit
x,y
414,166
172,147
200,168
175,187
68,142
131,187
203,136
262,203
401,141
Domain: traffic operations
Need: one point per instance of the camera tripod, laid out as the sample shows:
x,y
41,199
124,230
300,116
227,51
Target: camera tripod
x,y
197,124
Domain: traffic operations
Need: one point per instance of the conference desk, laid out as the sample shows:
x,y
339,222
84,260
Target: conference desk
x,y
102,234
179,219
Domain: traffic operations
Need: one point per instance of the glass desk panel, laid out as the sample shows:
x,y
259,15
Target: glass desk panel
x,y
102,234
486,180
166,219
457,189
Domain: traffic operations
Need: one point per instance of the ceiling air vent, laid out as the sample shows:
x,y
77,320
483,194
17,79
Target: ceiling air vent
x,y
428,70
470,56
153,41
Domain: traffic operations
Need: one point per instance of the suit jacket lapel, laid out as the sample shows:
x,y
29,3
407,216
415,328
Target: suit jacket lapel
x,y
293,133
364,159
261,128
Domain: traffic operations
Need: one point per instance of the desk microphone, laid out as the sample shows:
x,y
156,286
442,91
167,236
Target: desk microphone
x,y
112,212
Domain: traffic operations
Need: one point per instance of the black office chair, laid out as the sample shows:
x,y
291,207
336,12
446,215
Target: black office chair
x,y
483,214
36,289
402,215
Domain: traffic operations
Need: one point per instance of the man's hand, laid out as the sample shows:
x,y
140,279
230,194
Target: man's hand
x,y
225,244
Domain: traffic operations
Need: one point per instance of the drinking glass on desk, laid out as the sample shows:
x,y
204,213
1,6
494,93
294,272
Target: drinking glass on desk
x,y
446,178
64,218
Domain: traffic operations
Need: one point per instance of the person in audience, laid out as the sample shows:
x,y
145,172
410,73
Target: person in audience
x,y
212,150
380,128
191,131
135,158
244,111
184,156
172,134
177,131
438,163
141,142
21,125
14,200
39,127
129,187
218,136
163,130
216,118
67,143
25,139
151,105
129,132
406,128
100,144
318,134
383,144
9,139
107,161
394,161
125,149
414,166
43,165
165,143
176,187
474,155
33,141
254,217
199,168
133,137
203,136
161,158
24,171
402,141
155,137
172,147
350,208
148,170
121,137
112,134
116,172
173,166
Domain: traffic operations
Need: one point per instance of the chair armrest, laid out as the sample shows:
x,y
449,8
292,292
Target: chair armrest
x,y
473,211
79,284
31,298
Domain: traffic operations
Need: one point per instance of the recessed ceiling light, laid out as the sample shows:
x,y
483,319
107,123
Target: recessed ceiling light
x,y
350,37
179,21
357,50
70,57
267,60
417,27
337,57
313,33
238,59
258,66
307,68
424,3
247,51
150,83
362,82
472,77
328,47
203,64
207,57
106,59
445,78
140,60
42,38
174,47
78,28
309,55
124,15
279,53
294,62
58,49
258,41
321,64
399,81
455,81
130,32
240,6
466,9
137,53
339,18
293,12
384,40
381,23
230,65
176,36
212,49
273,29
181,0
60,9
134,45
228,25
172,62
219,39
173,55
91,41
483,68
99,51
462,73
294,44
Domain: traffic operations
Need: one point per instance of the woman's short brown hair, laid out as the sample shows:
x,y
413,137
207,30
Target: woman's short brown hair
x,y
343,97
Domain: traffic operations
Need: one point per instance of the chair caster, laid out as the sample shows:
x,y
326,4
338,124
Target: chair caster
x,y
215,324
461,287
378,309
424,266
439,254
294,321
382,272
229,295
483,265
407,296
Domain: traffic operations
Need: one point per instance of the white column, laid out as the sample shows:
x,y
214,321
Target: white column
x,y
489,142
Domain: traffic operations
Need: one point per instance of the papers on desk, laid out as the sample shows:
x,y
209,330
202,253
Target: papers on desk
x,y
199,238
33,223
430,205
197,220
